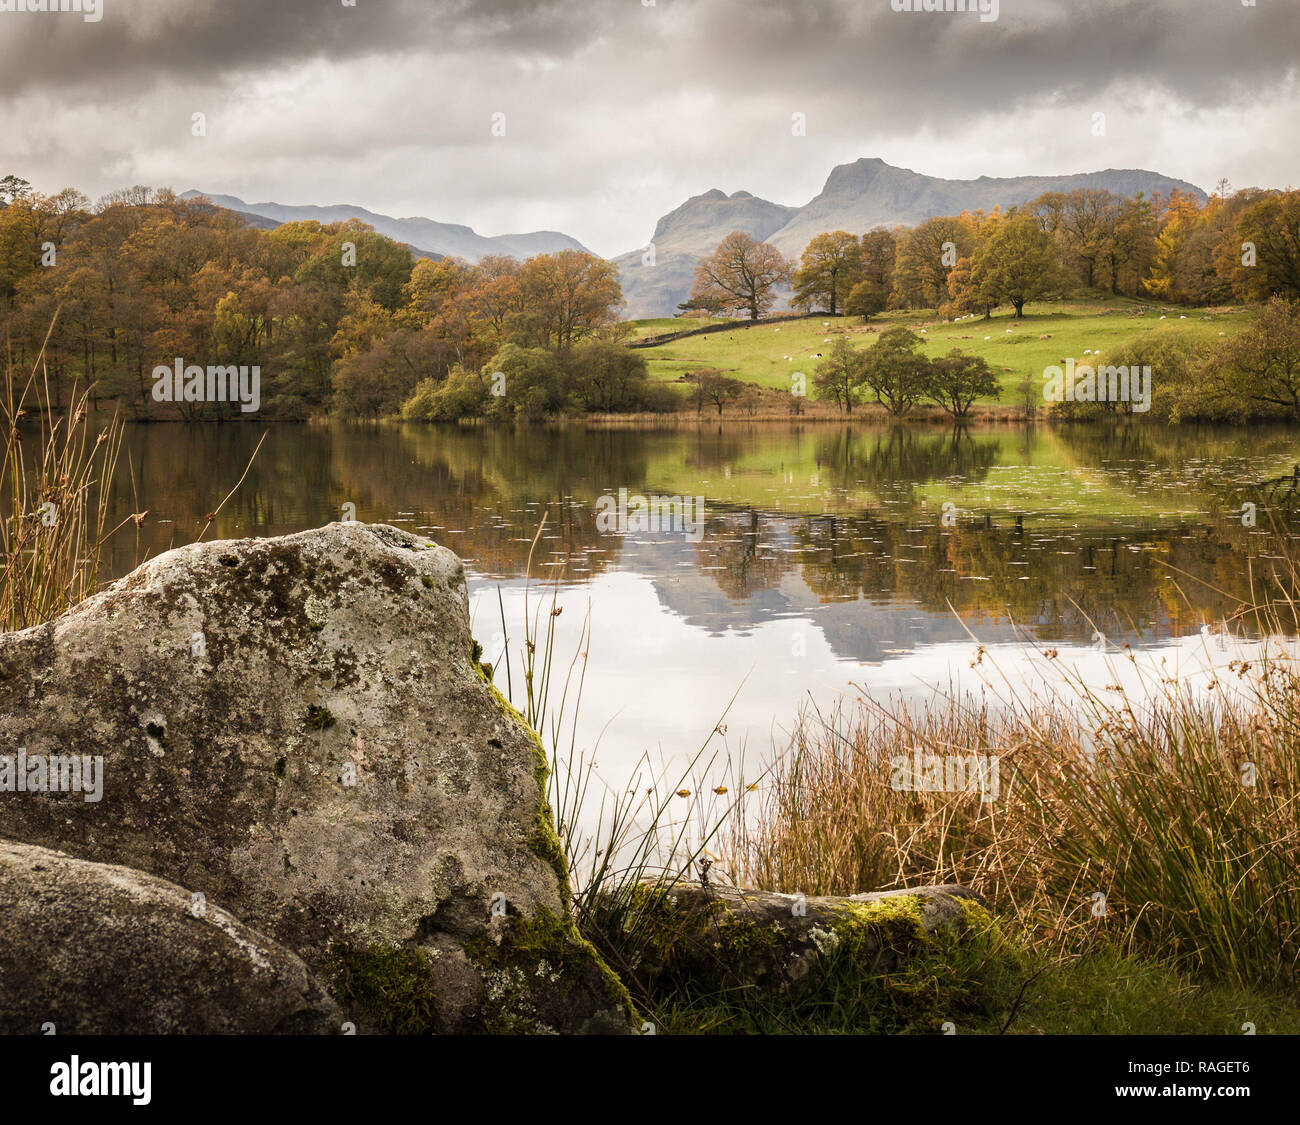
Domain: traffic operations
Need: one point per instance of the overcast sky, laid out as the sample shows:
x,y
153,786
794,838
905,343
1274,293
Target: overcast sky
x,y
617,110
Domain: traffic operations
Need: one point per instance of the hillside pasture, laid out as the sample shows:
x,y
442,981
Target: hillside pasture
x,y
770,354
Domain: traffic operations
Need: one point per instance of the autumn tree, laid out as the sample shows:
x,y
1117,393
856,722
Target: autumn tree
x,y
572,294
828,270
526,384
1181,218
1271,226
1128,252
968,292
956,381
741,275
895,371
375,381
926,255
1087,221
1262,364
1018,263
713,386
865,299
838,377
608,377
498,294
877,253
331,257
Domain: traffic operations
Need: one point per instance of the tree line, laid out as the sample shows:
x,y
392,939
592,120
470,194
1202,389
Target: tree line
x,y
892,372
342,319
1236,246
337,316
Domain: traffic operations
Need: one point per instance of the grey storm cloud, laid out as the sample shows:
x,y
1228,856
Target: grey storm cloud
x,y
953,65
137,42
619,109
1201,50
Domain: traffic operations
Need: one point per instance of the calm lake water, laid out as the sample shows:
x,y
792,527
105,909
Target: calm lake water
x,y
831,560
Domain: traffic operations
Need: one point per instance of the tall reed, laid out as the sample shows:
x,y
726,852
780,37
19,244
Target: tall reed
x,y
54,479
654,830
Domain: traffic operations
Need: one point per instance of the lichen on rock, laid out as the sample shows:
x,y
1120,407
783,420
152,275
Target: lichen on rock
x,y
94,949
333,769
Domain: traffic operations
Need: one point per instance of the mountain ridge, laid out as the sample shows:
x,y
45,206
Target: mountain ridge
x,y
857,196
444,240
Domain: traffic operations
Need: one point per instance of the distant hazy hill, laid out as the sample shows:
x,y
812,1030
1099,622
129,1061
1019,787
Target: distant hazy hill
x,y
437,239
857,197
257,222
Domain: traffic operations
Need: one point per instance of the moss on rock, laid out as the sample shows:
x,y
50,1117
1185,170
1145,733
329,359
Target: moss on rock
x,y
535,969
544,840
390,987
319,718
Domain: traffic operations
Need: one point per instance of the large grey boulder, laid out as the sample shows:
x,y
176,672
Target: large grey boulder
x,y
93,949
299,729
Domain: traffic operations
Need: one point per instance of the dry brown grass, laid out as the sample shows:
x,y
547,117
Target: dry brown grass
x,y
1184,814
53,499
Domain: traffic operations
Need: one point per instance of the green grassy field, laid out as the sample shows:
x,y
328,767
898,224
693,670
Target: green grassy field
x,y
770,354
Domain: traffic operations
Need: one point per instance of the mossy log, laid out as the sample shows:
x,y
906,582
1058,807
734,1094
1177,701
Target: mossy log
x,y
763,936
884,961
